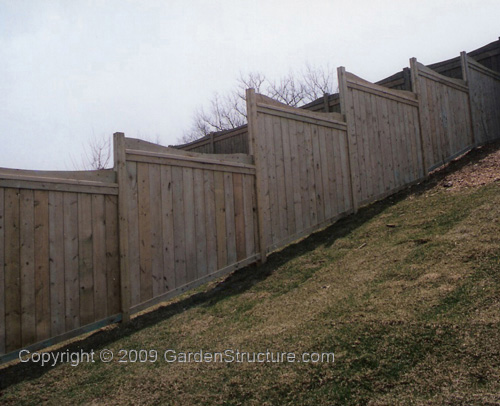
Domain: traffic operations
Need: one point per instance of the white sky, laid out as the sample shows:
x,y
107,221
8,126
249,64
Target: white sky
x,y
73,68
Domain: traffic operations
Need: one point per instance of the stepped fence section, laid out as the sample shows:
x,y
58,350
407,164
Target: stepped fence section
x,y
191,217
59,265
79,250
303,180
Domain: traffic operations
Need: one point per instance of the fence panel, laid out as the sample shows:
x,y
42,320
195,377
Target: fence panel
x,y
444,115
384,137
191,218
59,267
234,141
302,169
484,88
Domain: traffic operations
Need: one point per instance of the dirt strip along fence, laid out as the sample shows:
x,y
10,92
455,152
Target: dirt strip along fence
x,y
59,268
80,250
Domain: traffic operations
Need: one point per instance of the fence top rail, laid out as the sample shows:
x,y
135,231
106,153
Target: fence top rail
x,y
458,84
364,85
136,146
481,68
271,104
104,177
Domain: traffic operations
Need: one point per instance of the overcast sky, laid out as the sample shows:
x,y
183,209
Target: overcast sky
x,y
72,69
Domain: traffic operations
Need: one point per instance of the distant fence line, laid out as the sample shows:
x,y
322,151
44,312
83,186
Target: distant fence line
x,y
80,250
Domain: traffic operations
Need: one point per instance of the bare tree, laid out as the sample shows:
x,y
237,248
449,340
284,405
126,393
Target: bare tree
x,y
229,110
96,154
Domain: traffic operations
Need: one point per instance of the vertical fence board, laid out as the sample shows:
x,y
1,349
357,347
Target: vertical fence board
x,y
42,276
2,271
318,181
99,256
288,176
200,222
296,182
210,223
179,227
167,228
239,219
248,188
189,223
230,224
85,256
220,219
12,270
280,178
156,230
56,238
112,255
133,230
144,231
27,266
71,281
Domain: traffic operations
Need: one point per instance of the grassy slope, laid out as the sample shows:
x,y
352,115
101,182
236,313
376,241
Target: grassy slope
x,y
406,293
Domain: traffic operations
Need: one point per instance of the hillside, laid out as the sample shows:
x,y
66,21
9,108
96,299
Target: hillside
x,y
406,294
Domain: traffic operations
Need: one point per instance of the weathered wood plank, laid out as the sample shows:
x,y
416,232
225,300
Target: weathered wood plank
x,y
230,218
179,227
134,262
288,176
248,190
42,275
27,267
281,208
112,256
12,270
56,248
210,224
220,219
295,175
274,220
144,207
189,224
311,181
318,179
2,271
200,223
167,228
239,219
156,230
71,280
99,257
85,259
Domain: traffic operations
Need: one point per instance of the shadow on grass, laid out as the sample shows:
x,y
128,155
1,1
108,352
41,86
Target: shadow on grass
x,y
243,279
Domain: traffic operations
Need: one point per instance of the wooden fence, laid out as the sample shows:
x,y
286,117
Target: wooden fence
x,y
233,141
79,250
484,85
59,266
444,115
191,217
384,137
303,180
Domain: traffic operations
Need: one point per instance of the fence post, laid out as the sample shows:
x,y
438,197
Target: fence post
x,y
348,111
415,88
466,77
254,151
123,197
